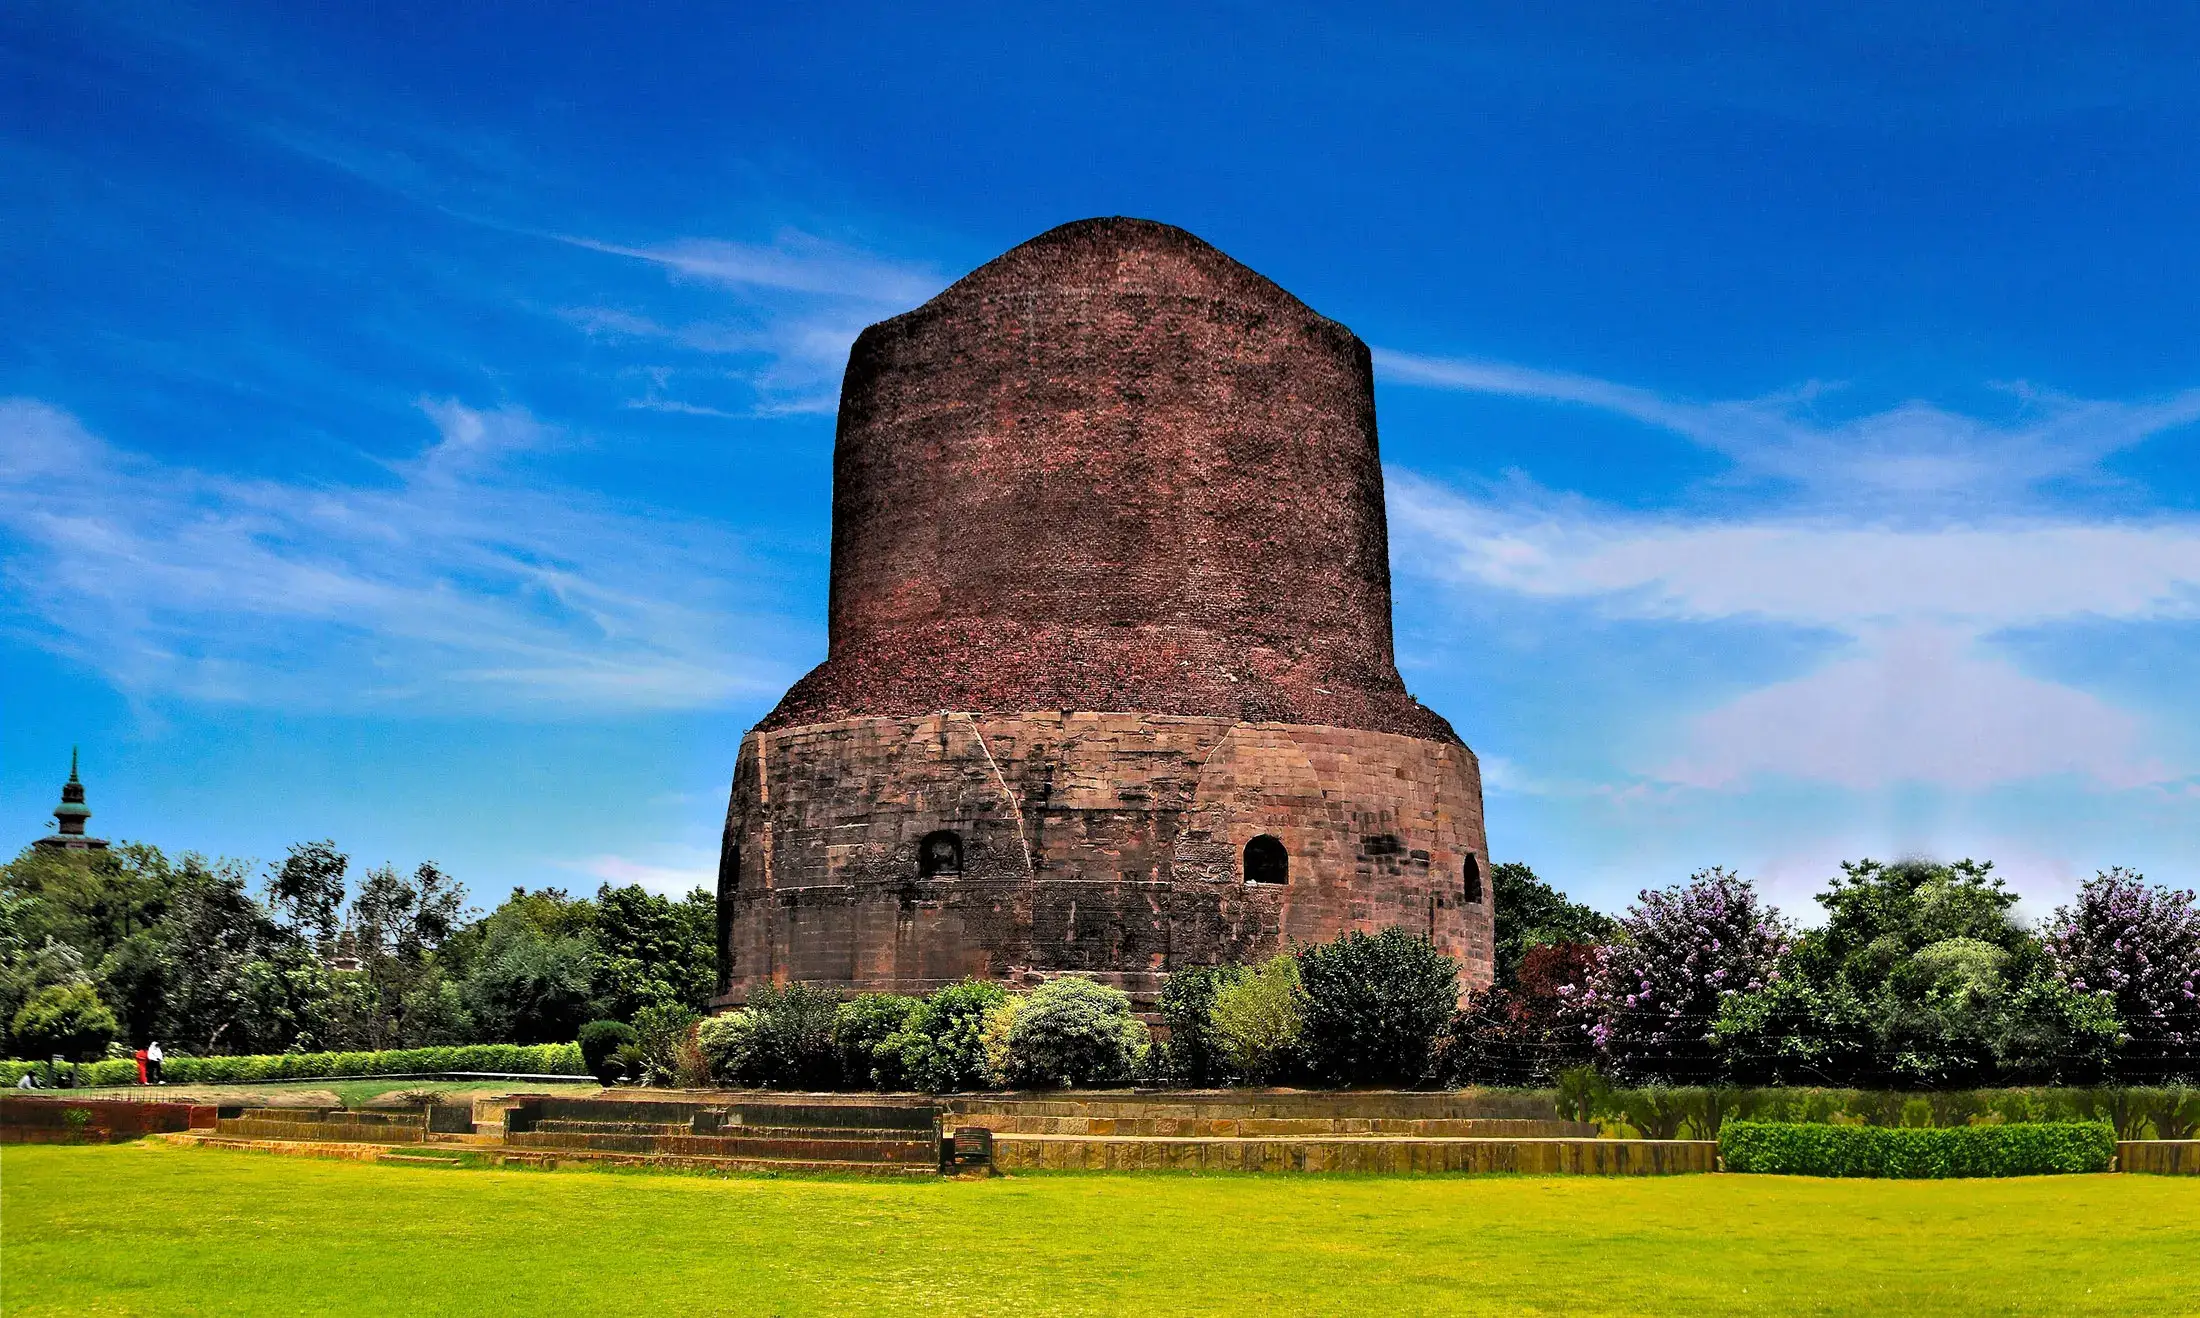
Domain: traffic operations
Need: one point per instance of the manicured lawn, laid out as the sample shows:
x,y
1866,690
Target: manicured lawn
x,y
151,1229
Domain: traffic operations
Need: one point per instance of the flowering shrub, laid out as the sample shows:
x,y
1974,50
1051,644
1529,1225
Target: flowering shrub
x,y
1681,952
2141,945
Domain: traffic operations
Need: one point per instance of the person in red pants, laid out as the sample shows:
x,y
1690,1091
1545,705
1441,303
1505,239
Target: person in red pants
x,y
140,1056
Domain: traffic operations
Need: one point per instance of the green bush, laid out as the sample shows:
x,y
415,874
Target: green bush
x,y
1665,1112
728,1044
1071,1031
598,1041
942,1048
793,1045
1800,1149
1257,1027
507,1058
862,1030
1193,1055
661,1030
1371,1006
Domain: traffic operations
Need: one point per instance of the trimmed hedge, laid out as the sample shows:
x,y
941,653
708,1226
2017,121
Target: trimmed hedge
x,y
1802,1149
517,1058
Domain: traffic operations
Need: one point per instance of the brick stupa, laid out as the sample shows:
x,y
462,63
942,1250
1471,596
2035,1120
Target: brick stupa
x,y
1110,686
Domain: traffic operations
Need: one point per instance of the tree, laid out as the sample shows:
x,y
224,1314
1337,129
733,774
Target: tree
x,y
526,988
1681,952
1793,1031
1920,962
395,926
309,890
230,971
1528,1033
2139,944
2050,1033
64,1020
654,952
402,920
1531,913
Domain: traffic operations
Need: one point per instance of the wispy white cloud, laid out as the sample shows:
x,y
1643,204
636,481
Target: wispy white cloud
x,y
795,263
1915,692
1803,570
687,872
457,583
794,307
1913,455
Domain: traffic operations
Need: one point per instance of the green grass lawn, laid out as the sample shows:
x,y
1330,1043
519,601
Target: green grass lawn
x,y
154,1229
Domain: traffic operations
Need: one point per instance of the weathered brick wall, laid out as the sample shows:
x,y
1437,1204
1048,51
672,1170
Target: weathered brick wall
x,y
1112,469
1109,844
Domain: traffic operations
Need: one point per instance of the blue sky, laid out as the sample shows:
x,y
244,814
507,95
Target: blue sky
x,y
417,424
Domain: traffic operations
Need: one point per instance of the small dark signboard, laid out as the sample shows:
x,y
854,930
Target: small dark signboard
x,y
970,1148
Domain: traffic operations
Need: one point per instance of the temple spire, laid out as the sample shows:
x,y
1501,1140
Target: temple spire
x,y
69,817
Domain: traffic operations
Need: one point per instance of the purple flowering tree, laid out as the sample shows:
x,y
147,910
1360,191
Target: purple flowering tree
x,y
1655,992
2140,943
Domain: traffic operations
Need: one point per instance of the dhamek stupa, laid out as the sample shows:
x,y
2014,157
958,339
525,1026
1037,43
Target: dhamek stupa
x,y
1110,687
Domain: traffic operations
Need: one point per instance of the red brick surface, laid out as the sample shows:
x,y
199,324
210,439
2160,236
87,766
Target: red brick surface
x,y
1113,470
44,1119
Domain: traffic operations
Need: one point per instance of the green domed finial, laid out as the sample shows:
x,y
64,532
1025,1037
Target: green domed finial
x,y
72,812
70,815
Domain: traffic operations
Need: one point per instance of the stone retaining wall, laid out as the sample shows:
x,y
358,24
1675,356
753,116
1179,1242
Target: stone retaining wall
x,y
25,1120
2160,1157
1013,1153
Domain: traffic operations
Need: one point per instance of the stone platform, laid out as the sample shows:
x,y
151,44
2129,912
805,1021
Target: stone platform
x,y
917,1135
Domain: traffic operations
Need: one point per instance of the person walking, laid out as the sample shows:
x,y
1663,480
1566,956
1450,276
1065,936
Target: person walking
x,y
152,1061
139,1057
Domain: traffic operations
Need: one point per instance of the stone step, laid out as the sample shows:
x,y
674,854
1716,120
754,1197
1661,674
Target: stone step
x,y
616,1127
1376,1154
828,1111
323,1131
923,1150
550,1158
826,1133
345,1115
422,1159
1241,1127
673,1162
1225,1105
